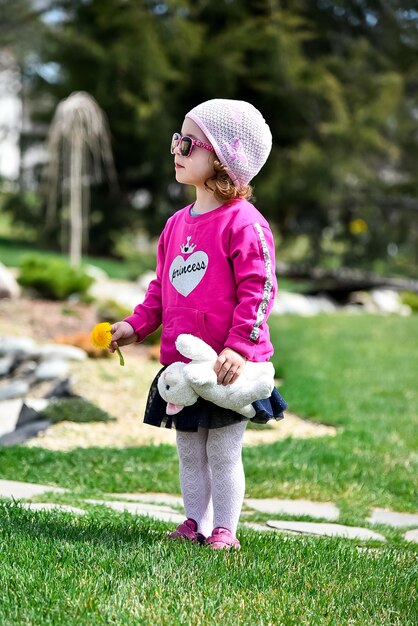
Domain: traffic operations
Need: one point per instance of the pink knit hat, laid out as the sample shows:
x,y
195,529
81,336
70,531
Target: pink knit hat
x,y
239,134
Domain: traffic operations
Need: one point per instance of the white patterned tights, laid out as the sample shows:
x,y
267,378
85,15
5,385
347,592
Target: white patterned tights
x,y
212,476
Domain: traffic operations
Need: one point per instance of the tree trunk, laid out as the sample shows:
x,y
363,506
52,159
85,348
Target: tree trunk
x,y
76,200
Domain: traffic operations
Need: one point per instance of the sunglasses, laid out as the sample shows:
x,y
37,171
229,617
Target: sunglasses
x,y
186,144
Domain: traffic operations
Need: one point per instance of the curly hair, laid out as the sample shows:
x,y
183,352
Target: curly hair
x,y
224,189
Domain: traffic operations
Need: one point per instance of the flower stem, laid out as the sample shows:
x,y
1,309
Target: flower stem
x,y
121,359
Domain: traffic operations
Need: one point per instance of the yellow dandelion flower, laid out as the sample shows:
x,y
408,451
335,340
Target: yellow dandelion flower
x,y
358,226
101,337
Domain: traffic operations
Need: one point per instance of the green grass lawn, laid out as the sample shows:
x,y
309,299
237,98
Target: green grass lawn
x,y
109,568
358,373
12,251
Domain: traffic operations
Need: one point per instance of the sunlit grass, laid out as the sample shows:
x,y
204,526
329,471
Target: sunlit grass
x,y
110,568
355,372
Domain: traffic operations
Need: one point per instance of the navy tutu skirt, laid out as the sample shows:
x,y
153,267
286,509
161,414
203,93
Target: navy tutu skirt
x,y
206,414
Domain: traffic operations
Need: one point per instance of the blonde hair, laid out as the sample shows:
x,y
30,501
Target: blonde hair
x,y
223,188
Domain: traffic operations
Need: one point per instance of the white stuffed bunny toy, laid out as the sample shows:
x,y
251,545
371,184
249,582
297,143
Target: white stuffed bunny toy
x,y
181,383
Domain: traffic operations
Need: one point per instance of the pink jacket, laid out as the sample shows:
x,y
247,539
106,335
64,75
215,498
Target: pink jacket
x,y
215,279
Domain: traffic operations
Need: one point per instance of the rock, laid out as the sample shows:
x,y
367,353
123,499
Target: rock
x,y
362,301
392,518
297,304
20,421
32,429
48,370
60,352
125,293
388,301
9,415
328,530
9,287
62,389
27,415
15,389
18,345
412,535
325,510
38,404
95,272
6,364
25,369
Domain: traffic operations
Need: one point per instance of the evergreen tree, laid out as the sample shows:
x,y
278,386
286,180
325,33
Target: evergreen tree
x,y
336,81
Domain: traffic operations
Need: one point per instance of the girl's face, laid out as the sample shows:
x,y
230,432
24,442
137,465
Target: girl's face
x,y
198,167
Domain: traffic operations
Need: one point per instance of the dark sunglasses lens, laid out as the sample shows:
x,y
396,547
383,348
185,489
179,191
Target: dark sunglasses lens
x,y
174,142
185,146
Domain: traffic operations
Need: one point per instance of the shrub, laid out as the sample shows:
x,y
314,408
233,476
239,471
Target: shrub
x,y
75,410
411,299
111,311
52,278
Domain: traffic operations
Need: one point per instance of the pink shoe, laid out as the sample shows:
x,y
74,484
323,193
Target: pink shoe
x,y
188,530
222,539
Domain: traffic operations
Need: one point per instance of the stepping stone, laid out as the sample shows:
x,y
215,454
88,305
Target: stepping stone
x,y
412,535
162,512
49,506
17,490
174,518
392,518
324,510
132,507
328,530
164,498
258,527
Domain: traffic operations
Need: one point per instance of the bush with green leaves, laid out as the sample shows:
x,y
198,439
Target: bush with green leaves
x,y
411,299
112,311
75,410
54,279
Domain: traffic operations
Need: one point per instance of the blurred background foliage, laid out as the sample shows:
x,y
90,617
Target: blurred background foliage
x,y
337,82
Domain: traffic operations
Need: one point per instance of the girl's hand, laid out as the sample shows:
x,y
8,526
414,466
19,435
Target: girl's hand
x,y
228,366
122,335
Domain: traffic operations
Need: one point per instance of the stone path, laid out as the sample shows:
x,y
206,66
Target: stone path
x,y
168,508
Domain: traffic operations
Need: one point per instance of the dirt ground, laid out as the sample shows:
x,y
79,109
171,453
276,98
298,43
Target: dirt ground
x,y
121,391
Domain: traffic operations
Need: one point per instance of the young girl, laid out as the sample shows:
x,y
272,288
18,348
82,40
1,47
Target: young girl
x,y
216,280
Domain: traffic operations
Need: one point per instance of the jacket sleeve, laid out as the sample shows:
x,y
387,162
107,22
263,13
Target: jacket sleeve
x,y
147,316
253,258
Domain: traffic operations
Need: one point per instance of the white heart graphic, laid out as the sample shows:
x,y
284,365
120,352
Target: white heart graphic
x,y
186,274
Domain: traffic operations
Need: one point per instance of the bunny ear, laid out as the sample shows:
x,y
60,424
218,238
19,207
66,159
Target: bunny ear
x,y
195,348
